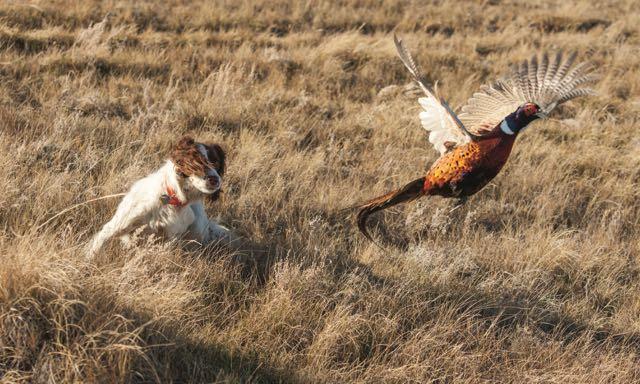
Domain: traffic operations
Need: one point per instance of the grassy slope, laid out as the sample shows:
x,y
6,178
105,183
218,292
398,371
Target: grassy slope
x,y
536,279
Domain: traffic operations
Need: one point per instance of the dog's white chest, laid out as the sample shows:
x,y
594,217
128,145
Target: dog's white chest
x,y
173,221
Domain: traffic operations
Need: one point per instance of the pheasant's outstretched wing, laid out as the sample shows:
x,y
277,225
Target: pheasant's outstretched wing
x,y
540,80
445,128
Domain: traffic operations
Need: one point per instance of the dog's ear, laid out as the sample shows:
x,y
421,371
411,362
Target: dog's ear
x,y
181,154
185,142
216,155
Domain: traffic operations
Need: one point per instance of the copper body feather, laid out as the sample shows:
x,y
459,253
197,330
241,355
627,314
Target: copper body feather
x,y
466,169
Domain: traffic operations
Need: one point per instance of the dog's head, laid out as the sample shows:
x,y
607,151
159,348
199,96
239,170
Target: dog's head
x,y
199,165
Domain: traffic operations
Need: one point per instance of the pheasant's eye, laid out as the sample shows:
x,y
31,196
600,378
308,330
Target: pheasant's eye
x,y
530,109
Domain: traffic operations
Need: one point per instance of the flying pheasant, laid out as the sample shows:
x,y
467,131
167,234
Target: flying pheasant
x,y
475,145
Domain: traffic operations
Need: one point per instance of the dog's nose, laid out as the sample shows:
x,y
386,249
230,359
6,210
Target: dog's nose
x,y
214,181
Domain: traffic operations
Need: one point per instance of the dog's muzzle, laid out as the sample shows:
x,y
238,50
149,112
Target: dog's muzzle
x,y
214,181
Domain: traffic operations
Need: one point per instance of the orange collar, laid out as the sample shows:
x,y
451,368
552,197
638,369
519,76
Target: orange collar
x,y
171,198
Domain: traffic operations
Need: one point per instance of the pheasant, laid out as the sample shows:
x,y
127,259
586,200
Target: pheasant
x,y
475,145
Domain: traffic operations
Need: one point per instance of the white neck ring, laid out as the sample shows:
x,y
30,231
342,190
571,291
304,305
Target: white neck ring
x,y
504,127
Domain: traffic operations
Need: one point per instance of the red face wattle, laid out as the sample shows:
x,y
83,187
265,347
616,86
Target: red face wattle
x,y
530,109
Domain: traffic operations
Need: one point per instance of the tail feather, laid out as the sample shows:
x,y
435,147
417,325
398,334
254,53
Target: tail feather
x,y
409,192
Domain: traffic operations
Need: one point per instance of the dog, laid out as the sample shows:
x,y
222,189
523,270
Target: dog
x,y
169,202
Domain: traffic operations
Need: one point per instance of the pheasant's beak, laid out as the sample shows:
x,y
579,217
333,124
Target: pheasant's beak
x,y
541,115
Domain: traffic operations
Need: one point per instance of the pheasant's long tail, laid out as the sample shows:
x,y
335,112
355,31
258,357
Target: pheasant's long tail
x,y
409,192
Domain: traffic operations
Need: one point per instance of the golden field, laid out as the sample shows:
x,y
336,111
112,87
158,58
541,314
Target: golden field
x,y
535,279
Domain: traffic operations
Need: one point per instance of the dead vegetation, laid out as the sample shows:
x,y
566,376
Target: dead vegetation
x,y
534,280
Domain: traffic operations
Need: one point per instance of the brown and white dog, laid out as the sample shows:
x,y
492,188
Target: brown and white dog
x,y
168,202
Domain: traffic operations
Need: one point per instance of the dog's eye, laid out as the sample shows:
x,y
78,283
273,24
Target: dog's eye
x,y
182,174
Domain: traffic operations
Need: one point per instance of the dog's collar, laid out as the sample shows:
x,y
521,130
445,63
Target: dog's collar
x,y
171,198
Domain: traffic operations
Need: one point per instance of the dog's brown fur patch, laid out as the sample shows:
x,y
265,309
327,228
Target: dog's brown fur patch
x,y
189,161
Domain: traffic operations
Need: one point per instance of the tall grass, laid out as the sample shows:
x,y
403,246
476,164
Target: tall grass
x,y
535,279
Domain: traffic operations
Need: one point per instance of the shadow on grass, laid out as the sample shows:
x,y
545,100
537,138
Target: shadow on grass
x,y
514,310
253,259
180,360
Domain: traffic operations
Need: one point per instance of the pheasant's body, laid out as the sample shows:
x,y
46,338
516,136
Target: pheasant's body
x,y
466,169
475,145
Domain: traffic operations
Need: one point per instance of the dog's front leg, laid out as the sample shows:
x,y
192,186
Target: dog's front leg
x,y
220,234
207,231
125,218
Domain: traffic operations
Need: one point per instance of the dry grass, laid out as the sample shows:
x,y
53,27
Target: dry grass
x,y
534,280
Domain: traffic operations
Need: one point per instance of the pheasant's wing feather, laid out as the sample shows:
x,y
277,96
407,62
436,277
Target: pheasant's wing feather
x,y
490,105
541,80
437,117
441,128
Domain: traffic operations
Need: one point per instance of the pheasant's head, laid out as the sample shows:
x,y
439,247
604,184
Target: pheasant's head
x,y
518,120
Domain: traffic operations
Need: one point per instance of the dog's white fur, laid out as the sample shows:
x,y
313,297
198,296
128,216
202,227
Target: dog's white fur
x,y
143,206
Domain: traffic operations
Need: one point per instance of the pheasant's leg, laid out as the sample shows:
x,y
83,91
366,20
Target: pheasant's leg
x,y
459,203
